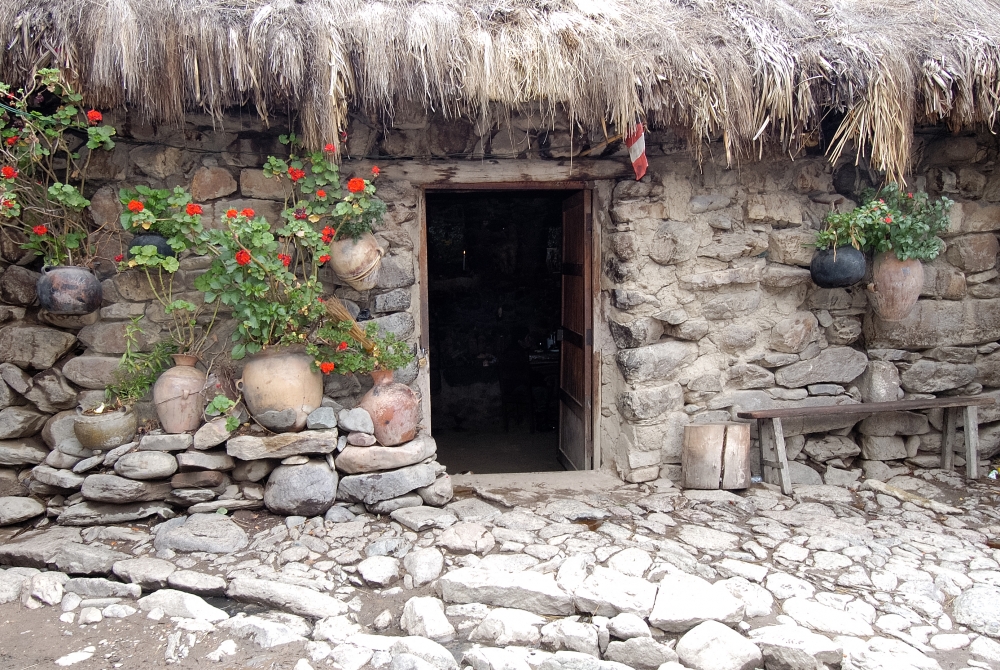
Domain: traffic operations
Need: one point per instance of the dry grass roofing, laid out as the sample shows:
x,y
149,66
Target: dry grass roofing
x,y
747,72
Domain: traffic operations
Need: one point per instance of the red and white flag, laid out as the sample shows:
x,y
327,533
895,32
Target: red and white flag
x,y
636,143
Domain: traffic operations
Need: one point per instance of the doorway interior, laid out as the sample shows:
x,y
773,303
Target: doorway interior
x,y
496,337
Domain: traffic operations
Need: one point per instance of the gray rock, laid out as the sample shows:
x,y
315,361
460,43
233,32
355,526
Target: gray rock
x,y
180,604
373,487
20,422
322,418
649,403
98,587
607,592
113,455
26,451
307,490
937,323
713,646
424,616
504,626
979,609
927,376
96,513
92,372
439,493
60,479
829,447
379,570
355,420
250,447
655,362
357,460
144,465
211,434
47,587
338,515
36,549
626,626
89,559
361,439
178,442
386,507
796,648
803,474
474,510
397,547
202,460
836,364
287,597
793,334
424,565
894,423
212,533
87,464
427,650
876,448
197,582
571,635
16,510
115,489
35,347
148,573
263,632
685,601
530,591
466,537
11,585
252,471
642,653
50,392
421,518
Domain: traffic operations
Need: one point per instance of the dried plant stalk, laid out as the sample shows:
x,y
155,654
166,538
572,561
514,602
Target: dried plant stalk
x,y
338,311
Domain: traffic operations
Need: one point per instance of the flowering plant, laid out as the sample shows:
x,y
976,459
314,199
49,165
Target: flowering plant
x,y
171,214
889,219
42,171
337,345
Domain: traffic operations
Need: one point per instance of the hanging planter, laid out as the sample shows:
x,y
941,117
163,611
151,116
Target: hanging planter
x,y
357,261
281,388
179,395
163,248
895,286
66,289
837,268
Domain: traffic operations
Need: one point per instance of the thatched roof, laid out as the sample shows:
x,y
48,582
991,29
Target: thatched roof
x,y
745,71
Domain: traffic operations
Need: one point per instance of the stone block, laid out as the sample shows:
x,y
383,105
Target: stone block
x,y
974,253
92,372
780,207
397,270
251,447
879,382
836,364
978,217
750,376
829,447
17,286
649,403
50,392
794,246
844,330
691,330
736,337
636,333
673,242
793,334
157,161
209,183
894,423
255,184
881,448
933,323
396,300
749,274
777,275
35,347
108,337
927,376
655,362
730,304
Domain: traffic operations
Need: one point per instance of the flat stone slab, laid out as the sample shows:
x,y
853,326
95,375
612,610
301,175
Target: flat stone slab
x,y
97,513
288,597
373,487
212,533
251,447
36,549
421,518
531,591
355,460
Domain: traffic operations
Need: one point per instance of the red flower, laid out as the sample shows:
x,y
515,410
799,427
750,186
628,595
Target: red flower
x,y
231,213
321,193
324,258
285,259
326,368
39,230
135,206
193,209
888,219
243,257
341,346
296,174
7,172
909,195
11,141
119,258
328,234
300,214
247,213
356,185
7,203
94,117
329,148
375,171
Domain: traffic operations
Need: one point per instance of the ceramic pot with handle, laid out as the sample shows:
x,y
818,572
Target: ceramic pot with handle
x,y
281,388
179,395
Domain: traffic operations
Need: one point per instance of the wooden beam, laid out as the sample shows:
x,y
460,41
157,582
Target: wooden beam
x,y
868,408
509,173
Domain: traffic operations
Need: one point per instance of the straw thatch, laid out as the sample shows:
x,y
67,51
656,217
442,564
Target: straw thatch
x,y
748,72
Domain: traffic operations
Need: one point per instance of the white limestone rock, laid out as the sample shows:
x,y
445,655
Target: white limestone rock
x,y
714,646
685,601
424,616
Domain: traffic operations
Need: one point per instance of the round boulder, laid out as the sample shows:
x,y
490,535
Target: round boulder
x,y
301,490
15,509
146,465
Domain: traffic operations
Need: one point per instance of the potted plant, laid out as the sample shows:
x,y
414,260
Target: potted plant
x,y
316,196
113,423
901,230
166,220
179,393
42,180
839,260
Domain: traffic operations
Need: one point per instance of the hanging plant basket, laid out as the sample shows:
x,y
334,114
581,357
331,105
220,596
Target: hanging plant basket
x,y
837,268
895,286
357,261
67,289
154,239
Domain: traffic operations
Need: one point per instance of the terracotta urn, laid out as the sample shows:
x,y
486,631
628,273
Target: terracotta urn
x,y
281,388
107,430
357,262
394,409
895,286
179,395
68,290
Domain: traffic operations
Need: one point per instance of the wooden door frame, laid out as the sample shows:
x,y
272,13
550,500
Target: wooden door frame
x,y
594,289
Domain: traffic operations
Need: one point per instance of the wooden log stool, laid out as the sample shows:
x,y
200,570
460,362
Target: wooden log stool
x,y
716,455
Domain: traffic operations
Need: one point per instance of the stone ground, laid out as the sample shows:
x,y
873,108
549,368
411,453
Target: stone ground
x,y
540,571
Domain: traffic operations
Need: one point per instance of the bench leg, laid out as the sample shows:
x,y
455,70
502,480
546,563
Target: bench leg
x,y
971,443
774,463
948,439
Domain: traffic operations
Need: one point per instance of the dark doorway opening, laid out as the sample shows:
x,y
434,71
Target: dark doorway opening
x,y
494,268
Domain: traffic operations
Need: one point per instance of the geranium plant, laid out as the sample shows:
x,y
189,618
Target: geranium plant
x,y
43,170
170,214
338,345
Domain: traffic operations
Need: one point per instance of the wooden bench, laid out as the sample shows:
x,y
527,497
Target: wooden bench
x,y
774,463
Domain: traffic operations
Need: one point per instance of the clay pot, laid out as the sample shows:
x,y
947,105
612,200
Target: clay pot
x,y
895,286
179,395
68,290
281,389
105,431
357,262
837,268
155,239
393,408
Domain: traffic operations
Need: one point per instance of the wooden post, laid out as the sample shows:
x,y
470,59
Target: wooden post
x,y
773,458
971,442
948,439
714,454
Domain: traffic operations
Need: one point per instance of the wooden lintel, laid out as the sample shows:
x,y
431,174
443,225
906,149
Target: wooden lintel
x,y
523,172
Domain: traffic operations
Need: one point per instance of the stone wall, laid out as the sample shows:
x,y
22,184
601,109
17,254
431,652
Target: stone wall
x,y
711,311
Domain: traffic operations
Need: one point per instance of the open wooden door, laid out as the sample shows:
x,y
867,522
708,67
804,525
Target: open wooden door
x,y
576,443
